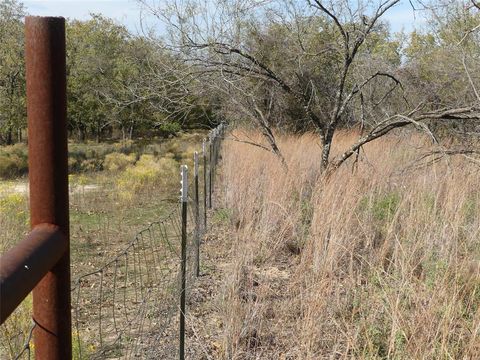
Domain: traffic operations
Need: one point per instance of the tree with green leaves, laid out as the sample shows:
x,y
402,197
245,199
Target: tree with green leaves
x,y
12,72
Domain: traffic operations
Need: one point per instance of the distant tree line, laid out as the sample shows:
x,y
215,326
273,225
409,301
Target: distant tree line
x,y
278,65
119,85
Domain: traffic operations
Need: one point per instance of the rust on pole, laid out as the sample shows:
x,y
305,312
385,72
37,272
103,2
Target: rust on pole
x,y
23,266
48,175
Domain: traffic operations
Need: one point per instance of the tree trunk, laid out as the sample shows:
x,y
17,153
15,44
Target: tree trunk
x,y
327,146
9,137
81,134
130,133
98,130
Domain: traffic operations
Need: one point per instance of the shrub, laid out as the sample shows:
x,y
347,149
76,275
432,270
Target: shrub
x,y
170,128
148,172
13,161
118,161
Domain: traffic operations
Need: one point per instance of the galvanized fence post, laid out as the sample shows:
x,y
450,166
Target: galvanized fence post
x,y
184,199
217,139
204,154
48,176
214,155
197,214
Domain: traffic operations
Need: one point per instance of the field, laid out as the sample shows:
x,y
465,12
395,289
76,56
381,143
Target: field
x,y
379,260
132,185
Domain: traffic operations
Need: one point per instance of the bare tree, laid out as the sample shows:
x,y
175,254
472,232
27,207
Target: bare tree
x,y
228,43
454,57
313,58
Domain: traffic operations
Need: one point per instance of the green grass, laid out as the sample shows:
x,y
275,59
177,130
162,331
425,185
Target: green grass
x,y
222,216
381,207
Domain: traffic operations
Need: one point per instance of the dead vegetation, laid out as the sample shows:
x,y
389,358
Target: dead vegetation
x,y
380,260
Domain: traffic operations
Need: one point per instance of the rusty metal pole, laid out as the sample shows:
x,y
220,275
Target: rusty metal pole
x,y
48,174
22,267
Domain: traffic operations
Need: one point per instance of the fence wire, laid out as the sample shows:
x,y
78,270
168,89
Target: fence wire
x,y
124,307
129,307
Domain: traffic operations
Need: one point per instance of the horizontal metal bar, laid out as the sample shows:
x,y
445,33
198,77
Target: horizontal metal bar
x,y
23,266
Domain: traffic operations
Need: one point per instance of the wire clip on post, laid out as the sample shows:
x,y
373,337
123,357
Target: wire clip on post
x,y
184,183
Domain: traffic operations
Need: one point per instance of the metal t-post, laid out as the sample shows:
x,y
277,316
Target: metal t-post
x,y
184,198
210,170
197,214
204,154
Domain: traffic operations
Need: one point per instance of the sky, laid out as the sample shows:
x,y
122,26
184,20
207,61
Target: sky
x,y
127,12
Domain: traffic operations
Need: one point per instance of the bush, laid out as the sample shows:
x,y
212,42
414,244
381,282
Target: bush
x,y
171,128
118,161
12,166
148,172
91,165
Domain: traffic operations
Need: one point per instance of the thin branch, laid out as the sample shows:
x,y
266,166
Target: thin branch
x,y
470,78
234,138
400,120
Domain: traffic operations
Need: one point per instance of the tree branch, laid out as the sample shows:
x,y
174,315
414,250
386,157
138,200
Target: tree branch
x,y
399,120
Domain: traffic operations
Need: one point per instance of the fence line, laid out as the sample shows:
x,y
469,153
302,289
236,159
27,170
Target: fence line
x,y
127,307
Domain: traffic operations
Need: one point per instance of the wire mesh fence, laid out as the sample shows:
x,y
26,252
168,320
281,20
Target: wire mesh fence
x,y
132,295
131,306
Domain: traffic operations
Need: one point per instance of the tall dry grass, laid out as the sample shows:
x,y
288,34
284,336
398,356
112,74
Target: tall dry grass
x,y
374,263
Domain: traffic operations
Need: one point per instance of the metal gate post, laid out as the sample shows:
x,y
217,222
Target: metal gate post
x,y
48,175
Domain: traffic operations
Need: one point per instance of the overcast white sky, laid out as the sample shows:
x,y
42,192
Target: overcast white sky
x,y
128,12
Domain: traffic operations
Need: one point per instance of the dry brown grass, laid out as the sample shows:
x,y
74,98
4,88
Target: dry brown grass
x,y
377,263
